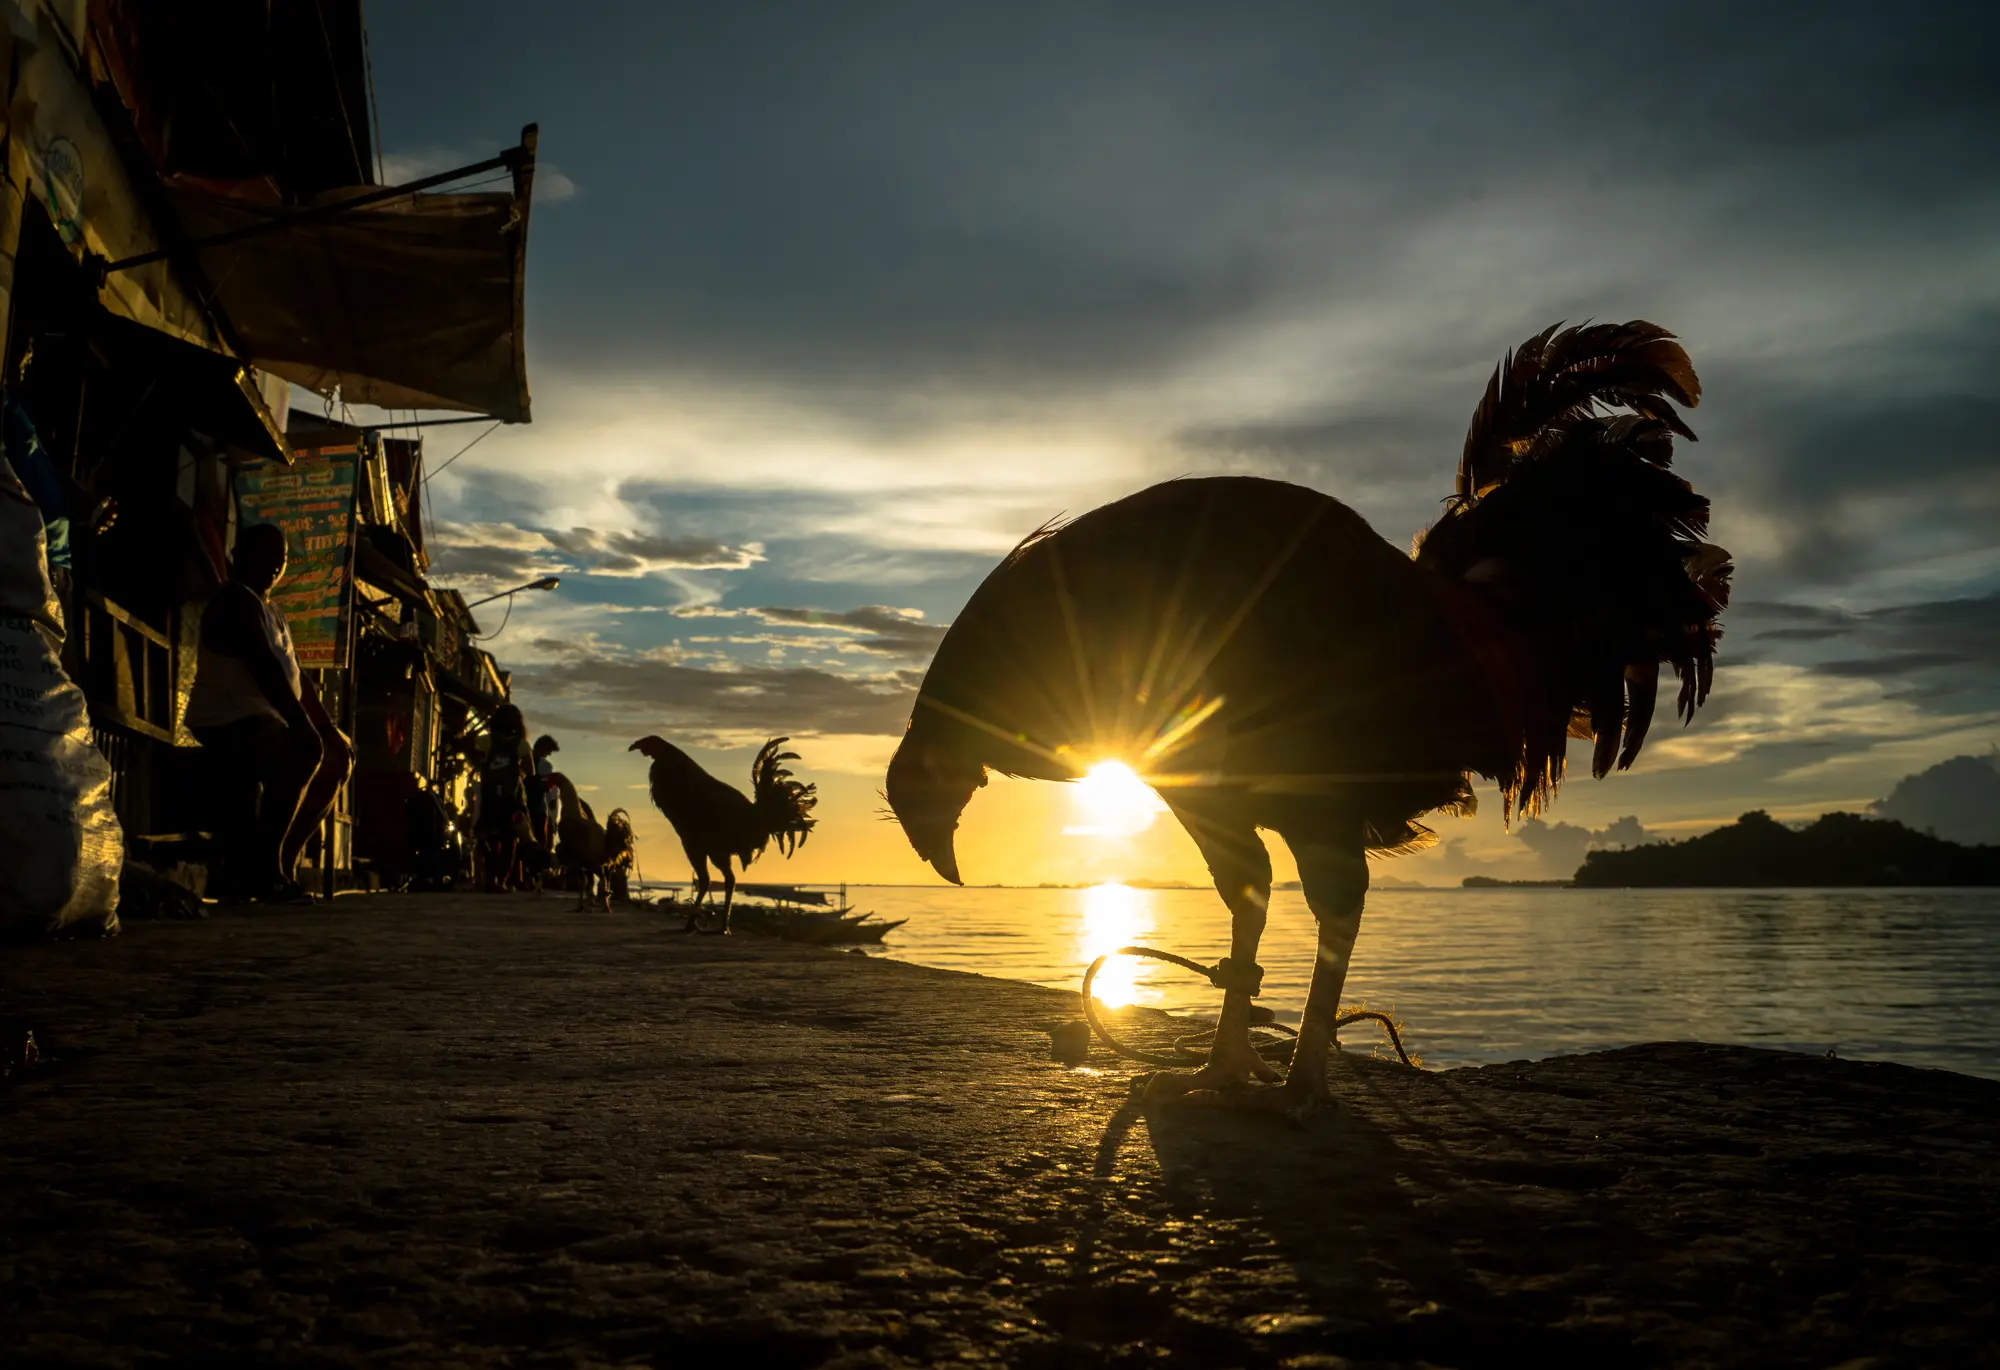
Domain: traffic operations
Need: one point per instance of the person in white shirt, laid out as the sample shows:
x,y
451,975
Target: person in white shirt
x,y
282,760
539,816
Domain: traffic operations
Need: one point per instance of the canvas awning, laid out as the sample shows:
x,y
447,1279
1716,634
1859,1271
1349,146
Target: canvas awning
x,y
375,567
407,301
213,392
455,686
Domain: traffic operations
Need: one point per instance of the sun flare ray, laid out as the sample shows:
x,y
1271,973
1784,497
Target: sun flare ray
x,y
1111,800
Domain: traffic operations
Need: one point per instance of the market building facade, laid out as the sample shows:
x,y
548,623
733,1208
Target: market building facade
x,y
192,232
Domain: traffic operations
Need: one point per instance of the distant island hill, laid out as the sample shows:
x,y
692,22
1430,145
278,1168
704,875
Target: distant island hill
x,y
1838,849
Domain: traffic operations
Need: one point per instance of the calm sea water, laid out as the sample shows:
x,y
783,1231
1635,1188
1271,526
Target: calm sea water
x,y
1493,975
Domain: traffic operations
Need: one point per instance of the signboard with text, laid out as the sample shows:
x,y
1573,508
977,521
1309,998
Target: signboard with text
x,y
313,501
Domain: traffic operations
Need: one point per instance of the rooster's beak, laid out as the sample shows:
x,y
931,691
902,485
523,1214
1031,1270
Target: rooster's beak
x,y
945,861
926,798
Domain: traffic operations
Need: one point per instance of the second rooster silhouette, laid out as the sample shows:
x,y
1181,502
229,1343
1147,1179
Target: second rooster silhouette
x,y
717,823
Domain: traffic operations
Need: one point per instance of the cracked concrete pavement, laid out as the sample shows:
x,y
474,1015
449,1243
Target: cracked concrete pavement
x,y
451,1130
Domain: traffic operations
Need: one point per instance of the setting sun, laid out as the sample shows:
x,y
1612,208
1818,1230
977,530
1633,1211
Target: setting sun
x,y
1112,801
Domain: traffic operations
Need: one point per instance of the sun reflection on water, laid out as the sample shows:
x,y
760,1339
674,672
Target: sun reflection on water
x,y
1114,916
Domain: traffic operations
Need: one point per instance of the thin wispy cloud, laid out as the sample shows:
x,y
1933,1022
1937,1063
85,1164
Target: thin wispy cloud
x,y
481,553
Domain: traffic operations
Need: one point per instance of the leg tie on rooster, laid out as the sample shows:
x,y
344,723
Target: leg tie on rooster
x,y
705,921
1224,975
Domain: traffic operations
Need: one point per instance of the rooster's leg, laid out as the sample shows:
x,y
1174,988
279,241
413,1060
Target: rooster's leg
x,y
1335,879
1242,871
728,897
700,890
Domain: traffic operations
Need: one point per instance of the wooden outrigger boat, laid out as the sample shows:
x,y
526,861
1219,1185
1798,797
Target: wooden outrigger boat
x,y
793,914
829,927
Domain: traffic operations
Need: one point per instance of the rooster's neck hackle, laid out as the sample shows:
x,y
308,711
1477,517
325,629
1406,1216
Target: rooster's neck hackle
x,y
1567,518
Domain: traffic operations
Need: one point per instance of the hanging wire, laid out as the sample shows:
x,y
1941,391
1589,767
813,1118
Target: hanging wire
x,y
368,71
339,96
487,637
461,452
497,179
427,514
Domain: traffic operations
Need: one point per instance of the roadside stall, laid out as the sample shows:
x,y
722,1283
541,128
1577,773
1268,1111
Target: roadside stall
x,y
189,227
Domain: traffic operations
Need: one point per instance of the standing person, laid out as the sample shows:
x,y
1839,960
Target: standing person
x,y
282,760
504,771
538,791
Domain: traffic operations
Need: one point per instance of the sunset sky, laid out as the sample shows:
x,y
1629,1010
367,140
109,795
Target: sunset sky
x,y
830,304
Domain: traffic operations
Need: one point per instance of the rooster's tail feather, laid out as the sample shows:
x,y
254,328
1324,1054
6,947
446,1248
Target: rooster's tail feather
x,y
784,805
1566,512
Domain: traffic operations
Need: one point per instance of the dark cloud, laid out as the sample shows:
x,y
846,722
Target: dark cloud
x,y
1732,699
892,632
1897,663
915,208
1966,627
1930,698
629,696
496,495
1947,650
1969,625
1814,615
1562,846
1079,191
1802,634
1290,241
844,566
633,554
496,552
1959,800
818,544
1775,771
1398,464
1824,462
454,565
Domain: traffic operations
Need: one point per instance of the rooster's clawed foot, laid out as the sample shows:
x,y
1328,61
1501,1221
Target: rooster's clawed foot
x,y
1229,1070
1293,1101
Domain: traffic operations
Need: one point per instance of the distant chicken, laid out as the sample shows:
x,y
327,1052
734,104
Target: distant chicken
x,y
578,833
717,824
1266,661
620,855
598,854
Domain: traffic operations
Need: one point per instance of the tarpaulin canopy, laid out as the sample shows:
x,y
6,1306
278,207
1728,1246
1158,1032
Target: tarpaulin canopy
x,y
455,686
413,302
380,570
213,392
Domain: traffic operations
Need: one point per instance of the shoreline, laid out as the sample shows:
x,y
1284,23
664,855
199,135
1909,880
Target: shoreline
x,y
1292,886
1622,979
455,1131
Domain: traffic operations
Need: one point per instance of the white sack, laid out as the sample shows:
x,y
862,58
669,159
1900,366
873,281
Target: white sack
x,y
61,849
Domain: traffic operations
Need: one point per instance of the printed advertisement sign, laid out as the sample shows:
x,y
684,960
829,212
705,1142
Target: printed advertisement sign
x,y
313,501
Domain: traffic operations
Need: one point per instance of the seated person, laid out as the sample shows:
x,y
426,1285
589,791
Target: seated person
x,y
271,734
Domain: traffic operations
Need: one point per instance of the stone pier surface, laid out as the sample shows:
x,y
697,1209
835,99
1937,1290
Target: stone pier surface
x,y
448,1130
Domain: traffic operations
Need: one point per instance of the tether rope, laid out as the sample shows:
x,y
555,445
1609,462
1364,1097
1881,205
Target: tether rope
x,y
1184,1047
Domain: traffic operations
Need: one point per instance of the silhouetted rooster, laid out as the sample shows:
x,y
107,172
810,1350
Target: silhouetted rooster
x,y
715,822
596,854
1266,661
